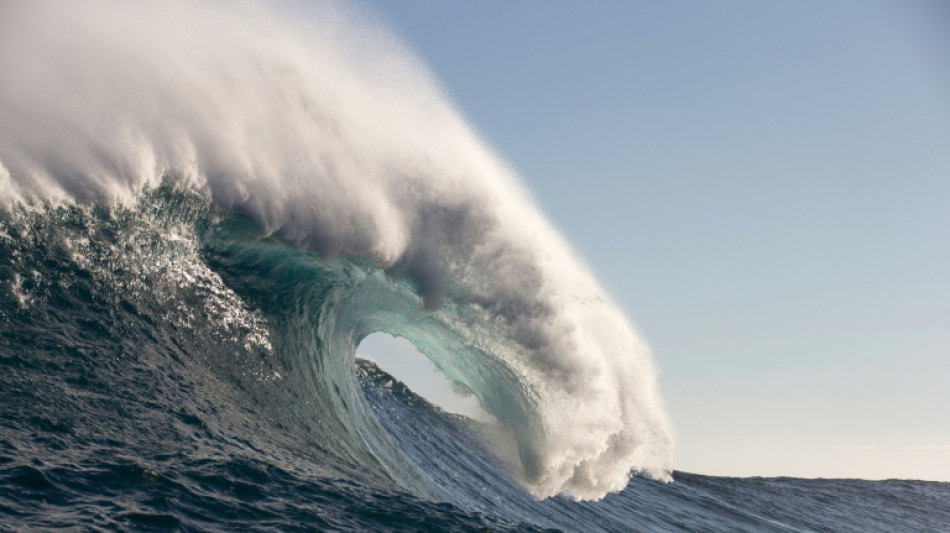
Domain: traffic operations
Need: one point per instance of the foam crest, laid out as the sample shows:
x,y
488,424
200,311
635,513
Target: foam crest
x,y
327,132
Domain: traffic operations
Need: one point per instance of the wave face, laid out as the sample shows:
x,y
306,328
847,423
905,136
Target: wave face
x,y
326,135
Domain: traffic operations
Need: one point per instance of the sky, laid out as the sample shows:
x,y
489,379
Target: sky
x,y
763,187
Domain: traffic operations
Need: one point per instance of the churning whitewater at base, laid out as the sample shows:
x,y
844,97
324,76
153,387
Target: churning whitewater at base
x,y
205,207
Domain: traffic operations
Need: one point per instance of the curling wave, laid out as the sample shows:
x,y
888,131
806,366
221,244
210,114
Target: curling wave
x,y
350,186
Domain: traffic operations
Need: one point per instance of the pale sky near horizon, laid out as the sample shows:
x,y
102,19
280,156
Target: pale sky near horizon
x,y
764,187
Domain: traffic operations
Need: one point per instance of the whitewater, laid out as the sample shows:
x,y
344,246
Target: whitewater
x,y
205,206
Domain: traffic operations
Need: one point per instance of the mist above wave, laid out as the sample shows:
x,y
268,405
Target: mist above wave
x,y
324,129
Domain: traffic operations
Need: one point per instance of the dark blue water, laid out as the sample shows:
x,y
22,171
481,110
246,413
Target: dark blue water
x,y
164,369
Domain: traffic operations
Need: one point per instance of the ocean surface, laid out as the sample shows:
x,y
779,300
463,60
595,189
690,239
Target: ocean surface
x,y
163,368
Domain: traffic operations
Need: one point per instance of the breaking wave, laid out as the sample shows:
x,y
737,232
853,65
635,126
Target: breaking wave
x,y
289,181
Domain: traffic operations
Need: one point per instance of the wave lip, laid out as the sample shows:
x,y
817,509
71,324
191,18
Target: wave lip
x,y
331,136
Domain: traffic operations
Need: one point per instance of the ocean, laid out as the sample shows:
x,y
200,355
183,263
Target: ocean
x,y
165,368
205,207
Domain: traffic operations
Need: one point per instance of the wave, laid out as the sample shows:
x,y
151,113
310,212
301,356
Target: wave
x,y
328,136
356,191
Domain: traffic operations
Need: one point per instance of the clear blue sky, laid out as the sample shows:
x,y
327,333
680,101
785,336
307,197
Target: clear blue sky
x,y
763,186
